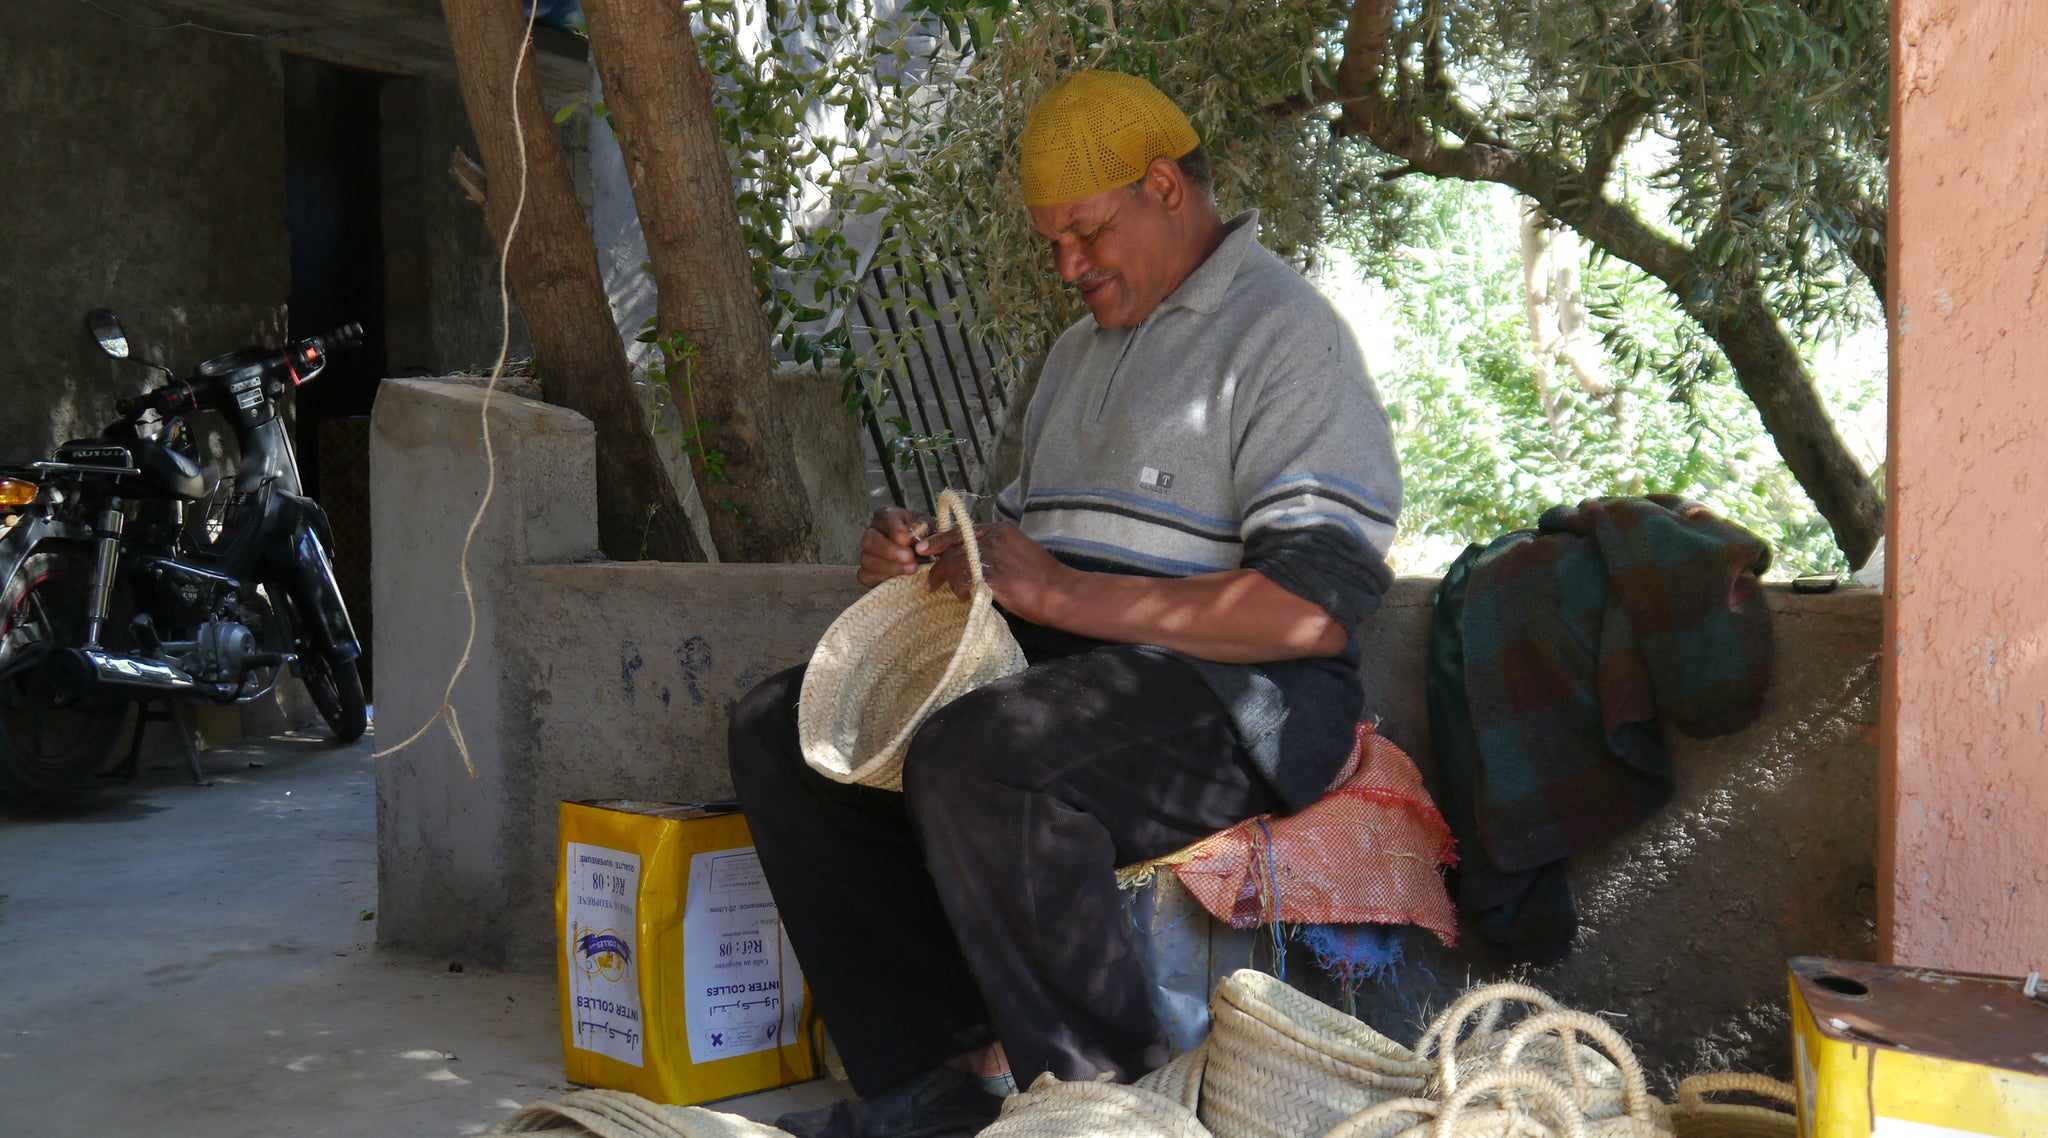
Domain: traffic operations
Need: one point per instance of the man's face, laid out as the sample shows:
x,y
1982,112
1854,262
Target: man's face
x,y
1120,248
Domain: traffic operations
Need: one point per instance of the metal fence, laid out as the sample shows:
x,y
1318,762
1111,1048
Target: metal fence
x,y
936,399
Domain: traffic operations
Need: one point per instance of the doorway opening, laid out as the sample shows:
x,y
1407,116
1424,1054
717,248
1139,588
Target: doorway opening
x,y
333,213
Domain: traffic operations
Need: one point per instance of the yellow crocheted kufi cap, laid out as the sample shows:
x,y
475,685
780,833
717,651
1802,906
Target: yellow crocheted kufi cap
x,y
1096,130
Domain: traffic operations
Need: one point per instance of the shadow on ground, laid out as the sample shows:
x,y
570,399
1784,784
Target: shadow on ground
x,y
182,960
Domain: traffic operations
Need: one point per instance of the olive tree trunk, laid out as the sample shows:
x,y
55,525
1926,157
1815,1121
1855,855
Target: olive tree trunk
x,y
744,454
554,277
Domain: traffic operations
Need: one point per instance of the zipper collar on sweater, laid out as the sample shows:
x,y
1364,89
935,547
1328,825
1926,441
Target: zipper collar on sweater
x,y
1204,289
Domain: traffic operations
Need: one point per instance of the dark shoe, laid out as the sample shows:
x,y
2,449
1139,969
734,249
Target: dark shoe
x,y
939,1103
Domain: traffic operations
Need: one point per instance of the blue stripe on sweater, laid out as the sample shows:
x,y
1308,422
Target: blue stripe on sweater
x,y
1367,502
1225,528
1309,520
1119,555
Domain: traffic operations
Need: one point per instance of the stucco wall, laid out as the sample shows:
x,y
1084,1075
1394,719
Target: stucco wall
x,y
143,171
1965,754
618,679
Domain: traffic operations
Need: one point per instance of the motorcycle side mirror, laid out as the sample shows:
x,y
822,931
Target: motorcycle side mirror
x,y
106,328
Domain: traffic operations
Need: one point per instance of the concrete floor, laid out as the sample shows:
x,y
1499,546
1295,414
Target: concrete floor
x,y
178,960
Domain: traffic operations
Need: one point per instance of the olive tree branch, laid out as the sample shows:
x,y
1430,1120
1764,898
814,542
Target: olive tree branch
x,y
1766,362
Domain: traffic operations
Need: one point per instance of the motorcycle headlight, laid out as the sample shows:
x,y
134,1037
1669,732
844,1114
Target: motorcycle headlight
x,y
15,492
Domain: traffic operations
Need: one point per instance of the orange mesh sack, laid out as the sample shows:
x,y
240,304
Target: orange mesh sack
x,y
1371,850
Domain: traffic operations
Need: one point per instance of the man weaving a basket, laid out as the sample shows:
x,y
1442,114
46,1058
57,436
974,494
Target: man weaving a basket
x,y
1200,525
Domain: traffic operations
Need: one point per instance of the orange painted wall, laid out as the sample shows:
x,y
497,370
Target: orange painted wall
x,y
1963,788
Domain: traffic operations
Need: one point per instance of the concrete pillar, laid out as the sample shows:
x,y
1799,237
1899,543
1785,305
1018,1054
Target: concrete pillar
x,y
441,834
1963,832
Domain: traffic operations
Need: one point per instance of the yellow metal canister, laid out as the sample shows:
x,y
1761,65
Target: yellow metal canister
x,y
677,982
1886,1051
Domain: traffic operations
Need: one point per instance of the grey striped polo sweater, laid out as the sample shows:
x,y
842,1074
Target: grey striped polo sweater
x,y
1235,427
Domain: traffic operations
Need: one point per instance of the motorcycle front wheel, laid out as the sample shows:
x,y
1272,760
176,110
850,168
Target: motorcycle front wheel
x,y
337,689
52,745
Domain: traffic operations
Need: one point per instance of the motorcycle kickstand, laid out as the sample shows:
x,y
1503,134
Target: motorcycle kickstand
x,y
188,734
129,766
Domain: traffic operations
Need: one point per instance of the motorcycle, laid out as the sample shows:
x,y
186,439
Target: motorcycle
x,y
109,598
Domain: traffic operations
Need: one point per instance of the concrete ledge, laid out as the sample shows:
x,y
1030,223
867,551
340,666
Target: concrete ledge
x,y
618,680
443,839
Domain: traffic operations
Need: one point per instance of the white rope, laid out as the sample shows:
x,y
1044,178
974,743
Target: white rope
x,y
446,712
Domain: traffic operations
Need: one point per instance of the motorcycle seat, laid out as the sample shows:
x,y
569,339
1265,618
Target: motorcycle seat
x,y
94,452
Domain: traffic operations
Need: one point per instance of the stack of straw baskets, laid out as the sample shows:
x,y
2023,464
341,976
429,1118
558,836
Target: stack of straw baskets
x,y
1281,1065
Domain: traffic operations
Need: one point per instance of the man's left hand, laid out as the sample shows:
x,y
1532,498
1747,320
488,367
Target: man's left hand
x,y
1025,579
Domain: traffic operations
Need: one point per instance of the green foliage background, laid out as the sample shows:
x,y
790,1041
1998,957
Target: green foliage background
x,y
1479,455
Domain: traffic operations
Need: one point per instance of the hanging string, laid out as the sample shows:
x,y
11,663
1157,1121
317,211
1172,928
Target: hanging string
x,y
446,712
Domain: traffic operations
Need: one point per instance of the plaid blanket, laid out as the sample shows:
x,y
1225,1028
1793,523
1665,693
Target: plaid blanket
x,y
1576,637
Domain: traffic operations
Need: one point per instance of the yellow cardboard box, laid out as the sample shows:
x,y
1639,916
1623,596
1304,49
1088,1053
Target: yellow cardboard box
x,y
677,981
1887,1051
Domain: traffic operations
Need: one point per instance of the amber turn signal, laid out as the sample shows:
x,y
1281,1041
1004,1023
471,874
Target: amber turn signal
x,y
15,492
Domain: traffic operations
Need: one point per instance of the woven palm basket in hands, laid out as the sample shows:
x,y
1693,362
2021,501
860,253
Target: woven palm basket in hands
x,y
893,658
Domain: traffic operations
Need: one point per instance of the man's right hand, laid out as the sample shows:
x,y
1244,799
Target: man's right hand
x,y
886,548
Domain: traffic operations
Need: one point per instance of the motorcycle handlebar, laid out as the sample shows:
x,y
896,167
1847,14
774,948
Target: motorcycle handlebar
x,y
164,400
309,354
349,335
306,357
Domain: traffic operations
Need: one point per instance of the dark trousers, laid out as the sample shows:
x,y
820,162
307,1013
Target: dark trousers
x,y
981,902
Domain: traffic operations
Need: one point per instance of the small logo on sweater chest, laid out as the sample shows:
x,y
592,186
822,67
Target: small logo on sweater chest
x,y
1159,480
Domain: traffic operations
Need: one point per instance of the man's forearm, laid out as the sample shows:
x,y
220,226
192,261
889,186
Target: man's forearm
x,y
1235,617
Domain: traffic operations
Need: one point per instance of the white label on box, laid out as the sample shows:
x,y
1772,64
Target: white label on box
x,y
604,952
745,992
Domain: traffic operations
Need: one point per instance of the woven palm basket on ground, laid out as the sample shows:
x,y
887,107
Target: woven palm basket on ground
x,y
1181,1079
1603,1078
1694,1117
894,657
1509,1102
1053,1109
1454,1054
1282,1065
619,1114
1548,1042
1447,1047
